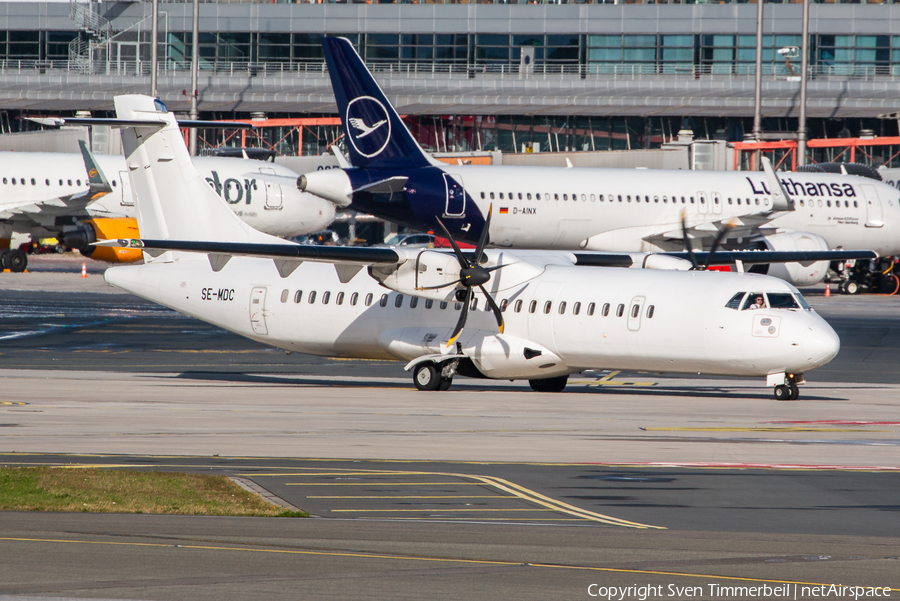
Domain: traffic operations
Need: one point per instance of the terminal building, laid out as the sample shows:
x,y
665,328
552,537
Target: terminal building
x,y
471,76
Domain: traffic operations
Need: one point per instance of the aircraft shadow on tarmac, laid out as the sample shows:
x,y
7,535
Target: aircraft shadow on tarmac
x,y
699,391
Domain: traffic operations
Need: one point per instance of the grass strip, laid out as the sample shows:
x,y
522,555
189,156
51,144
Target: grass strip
x,y
120,491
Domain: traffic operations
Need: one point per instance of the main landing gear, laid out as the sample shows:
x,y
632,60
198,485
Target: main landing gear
x,y
789,391
549,384
429,376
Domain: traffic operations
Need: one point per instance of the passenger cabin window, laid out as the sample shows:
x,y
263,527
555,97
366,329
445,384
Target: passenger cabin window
x,y
605,311
547,306
413,302
383,301
298,296
562,307
576,308
782,300
326,296
398,302
620,310
532,306
518,306
284,295
635,310
591,308
429,303
369,298
474,306
503,304
353,298
735,302
443,305
312,297
339,299
755,300
650,310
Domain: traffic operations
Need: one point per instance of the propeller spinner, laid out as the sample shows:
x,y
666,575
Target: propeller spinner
x,y
472,274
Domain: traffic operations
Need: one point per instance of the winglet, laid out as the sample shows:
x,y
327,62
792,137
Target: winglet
x,y
781,200
97,180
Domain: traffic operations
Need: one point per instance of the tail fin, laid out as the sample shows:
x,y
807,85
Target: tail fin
x,y
174,202
376,136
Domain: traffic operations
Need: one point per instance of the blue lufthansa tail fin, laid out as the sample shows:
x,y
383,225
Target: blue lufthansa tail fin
x,y
376,136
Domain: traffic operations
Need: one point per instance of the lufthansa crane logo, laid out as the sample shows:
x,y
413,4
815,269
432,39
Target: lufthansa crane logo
x,y
368,125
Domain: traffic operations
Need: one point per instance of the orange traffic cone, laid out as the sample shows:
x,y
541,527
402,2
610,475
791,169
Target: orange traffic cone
x,y
84,270
827,290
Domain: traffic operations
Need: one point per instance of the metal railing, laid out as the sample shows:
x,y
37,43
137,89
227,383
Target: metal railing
x,y
525,1
425,69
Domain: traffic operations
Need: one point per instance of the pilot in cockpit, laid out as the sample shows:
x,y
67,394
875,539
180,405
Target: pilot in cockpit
x,y
759,302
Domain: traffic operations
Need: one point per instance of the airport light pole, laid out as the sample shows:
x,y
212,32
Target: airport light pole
x,y
757,112
804,67
154,48
195,76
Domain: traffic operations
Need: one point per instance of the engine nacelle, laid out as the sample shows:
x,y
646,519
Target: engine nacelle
x,y
92,230
330,184
798,274
420,273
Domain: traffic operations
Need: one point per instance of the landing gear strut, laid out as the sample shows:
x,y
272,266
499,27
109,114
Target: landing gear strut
x,y
789,391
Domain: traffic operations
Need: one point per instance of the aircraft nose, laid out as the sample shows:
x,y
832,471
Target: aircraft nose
x,y
820,344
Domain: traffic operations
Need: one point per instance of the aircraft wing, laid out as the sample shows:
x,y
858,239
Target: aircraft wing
x,y
347,260
722,257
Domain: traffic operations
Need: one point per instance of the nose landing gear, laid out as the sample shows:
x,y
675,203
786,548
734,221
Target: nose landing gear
x,y
789,391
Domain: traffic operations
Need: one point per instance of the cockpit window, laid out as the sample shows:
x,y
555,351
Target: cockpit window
x,y
782,300
755,300
159,106
735,302
802,301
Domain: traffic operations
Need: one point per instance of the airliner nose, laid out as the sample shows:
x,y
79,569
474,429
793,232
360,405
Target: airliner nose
x,y
820,344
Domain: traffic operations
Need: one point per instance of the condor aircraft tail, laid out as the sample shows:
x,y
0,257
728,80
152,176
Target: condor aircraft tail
x,y
174,201
376,136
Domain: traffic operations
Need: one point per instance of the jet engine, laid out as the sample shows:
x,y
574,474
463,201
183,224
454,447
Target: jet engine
x,y
798,274
92,230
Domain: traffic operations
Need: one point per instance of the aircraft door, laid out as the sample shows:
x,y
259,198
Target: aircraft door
x,y
874,214
274,194
702,201
716,203
125,190
258,310
635,310
456,196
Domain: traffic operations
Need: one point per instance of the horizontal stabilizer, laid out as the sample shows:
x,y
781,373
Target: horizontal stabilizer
x,y
119,123
385,186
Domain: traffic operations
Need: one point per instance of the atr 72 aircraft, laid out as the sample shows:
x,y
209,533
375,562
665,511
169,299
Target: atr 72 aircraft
x,y
554,315
83,198
592,209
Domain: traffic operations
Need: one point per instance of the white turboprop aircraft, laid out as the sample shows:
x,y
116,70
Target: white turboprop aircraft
x,y
614,210
52,195
555,316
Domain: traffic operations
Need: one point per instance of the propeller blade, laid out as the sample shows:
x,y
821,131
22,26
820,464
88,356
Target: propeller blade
x,y
715,246
479,250
463,262
494,308
687,241
462,318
